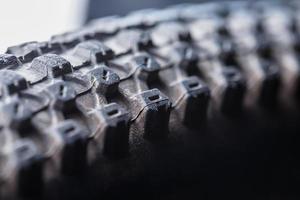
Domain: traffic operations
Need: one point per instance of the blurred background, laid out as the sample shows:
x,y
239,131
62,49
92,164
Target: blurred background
x,y
97,8
38,20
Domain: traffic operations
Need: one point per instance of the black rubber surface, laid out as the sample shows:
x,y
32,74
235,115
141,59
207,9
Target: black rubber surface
x,y
191,101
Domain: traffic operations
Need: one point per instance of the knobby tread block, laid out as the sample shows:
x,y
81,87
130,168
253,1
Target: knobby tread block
x,y
122,85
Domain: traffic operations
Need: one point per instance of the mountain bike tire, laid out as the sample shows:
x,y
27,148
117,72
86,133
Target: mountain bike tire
x,y
138,106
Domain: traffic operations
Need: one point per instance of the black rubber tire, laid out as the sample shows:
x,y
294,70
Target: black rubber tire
x,y
192,100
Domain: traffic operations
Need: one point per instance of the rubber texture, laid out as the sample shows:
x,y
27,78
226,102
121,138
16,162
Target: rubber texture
x,y
135,105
